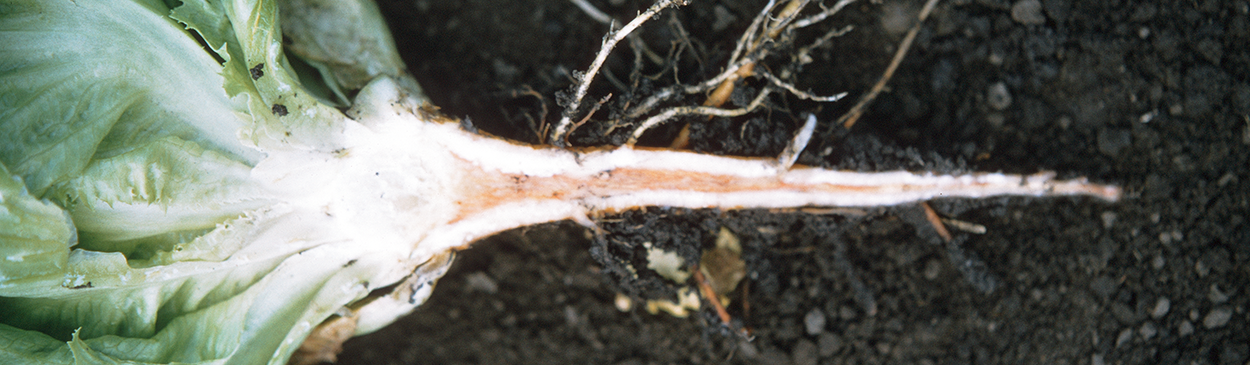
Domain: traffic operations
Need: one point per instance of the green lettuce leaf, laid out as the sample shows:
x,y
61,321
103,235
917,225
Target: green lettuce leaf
x,y
35,235
133,226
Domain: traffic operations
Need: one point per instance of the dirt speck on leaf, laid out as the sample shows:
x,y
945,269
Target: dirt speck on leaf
x,y
257,71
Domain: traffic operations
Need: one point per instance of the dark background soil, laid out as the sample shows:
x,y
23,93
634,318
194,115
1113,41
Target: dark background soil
x,y
1151,96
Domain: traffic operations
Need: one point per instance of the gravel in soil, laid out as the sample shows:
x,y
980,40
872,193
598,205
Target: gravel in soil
x,y
1153,96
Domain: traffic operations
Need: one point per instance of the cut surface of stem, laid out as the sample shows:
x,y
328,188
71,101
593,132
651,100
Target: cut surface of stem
x,y
418,183
491,185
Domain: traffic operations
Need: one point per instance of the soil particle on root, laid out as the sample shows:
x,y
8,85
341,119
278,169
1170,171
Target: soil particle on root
x,y
1149,95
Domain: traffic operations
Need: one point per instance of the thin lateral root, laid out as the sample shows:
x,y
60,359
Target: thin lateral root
x,y
848,120
796,146
710,296
585,119
965,226
593,12
674,112
936,221
583,85
799,93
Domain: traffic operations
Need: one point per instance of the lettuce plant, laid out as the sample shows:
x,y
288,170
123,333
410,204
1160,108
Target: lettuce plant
x,y
186,182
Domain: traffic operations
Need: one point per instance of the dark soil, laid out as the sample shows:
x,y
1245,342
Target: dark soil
x,y
1153,96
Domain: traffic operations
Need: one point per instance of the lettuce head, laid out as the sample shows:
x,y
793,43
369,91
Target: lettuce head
x,y
163,177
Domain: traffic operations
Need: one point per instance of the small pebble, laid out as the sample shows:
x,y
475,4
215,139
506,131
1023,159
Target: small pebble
x,y
1234,354
1111,141
1226,179
1217,318
896,18
1104,286
479,281
748,350
1215,295
995,120
995,59
1124,337
1147,330
1123,313
804,353
814,322
772,355
998,97
1245,134
724,17
1185,329
846,312
1028,12
932,269
1162,306
623,302
1064,122
1108,219
884,348
571,317
1157,263
1096,359
828,344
